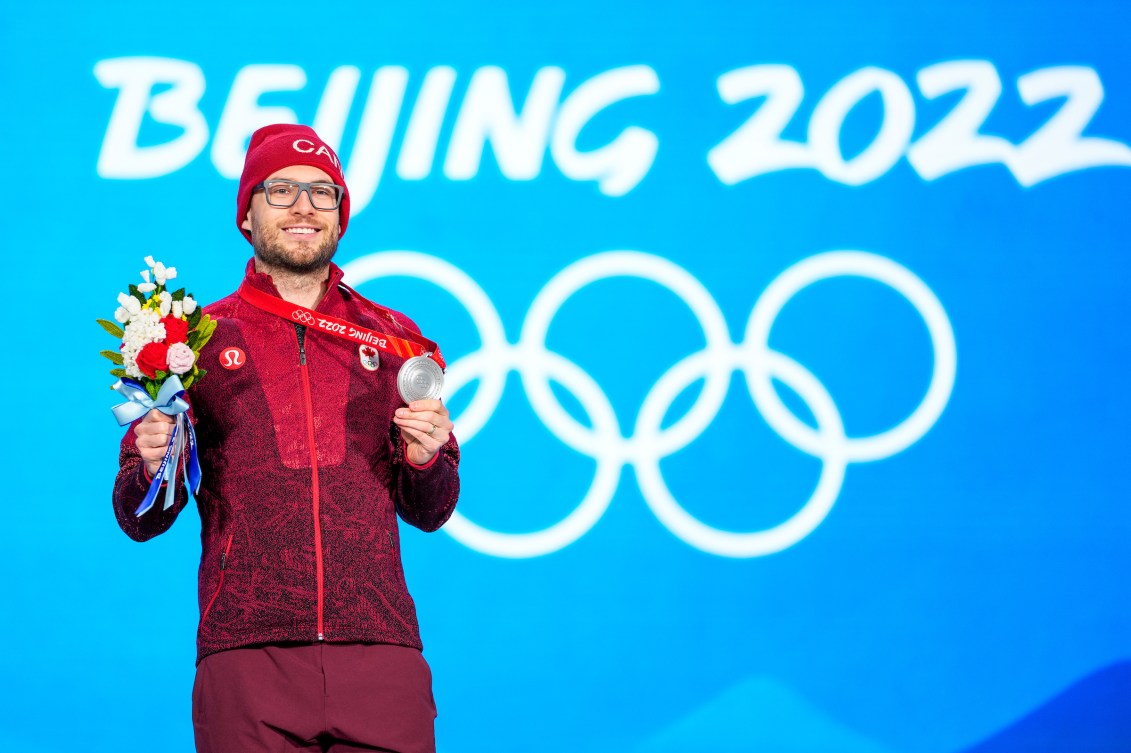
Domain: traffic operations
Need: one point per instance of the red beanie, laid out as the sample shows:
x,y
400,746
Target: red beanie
x,y
277,146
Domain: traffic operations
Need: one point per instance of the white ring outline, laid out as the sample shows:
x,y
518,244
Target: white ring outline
x,y
607,265
783,535
903,281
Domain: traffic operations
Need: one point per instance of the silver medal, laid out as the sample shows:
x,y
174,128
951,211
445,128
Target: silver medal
x,y
420,378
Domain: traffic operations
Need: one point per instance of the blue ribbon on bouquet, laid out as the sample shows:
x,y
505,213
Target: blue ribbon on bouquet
x,y
171,402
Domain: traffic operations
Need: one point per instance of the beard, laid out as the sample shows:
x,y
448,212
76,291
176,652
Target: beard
x,y
267,242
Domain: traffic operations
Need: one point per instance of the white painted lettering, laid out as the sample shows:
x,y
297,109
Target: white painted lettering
x,y
418,150
324,152
243,114
488,115
622,163
375,134
334,108
135,78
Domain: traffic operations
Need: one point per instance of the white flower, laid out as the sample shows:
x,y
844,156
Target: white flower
x,y
144,328
165,296
145,275
149,261
189,305
122,298
178,309
146,287
121,315
170,273
133,306
159,273
166,307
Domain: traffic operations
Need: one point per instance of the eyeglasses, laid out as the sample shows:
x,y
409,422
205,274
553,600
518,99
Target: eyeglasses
x,y
284,193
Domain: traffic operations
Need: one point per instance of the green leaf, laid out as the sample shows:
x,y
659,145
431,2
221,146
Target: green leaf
x,y
151,388
114,356
194,317
178,295
120,373
112,328
207,327
137,294
199,373
187,381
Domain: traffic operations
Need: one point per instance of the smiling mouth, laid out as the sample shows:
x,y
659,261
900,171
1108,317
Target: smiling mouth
x,y
301,231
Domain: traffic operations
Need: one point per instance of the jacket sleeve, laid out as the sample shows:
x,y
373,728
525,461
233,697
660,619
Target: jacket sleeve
x,y
130,488
425,495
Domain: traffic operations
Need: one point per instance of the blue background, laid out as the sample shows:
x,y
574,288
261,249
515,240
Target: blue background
x,y
967,593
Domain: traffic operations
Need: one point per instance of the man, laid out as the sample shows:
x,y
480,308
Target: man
x,y
308,637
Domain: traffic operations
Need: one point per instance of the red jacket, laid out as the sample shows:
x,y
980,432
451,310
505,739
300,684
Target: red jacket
x,y
290,554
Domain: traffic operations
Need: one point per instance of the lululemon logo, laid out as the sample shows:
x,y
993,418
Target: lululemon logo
x,y
232,358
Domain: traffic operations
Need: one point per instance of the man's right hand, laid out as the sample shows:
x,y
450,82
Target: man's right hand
x,y
153,435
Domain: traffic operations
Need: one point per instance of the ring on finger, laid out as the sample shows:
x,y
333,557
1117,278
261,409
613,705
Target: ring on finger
x,y
432,430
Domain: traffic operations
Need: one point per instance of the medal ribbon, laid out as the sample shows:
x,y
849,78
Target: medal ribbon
x,y
416,346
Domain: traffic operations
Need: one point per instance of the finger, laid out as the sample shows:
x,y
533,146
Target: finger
x,y
156,416
152,444
435,418
153,454
427,416
154,430
418,437
156,427
436,406
430,442
152,458
424,427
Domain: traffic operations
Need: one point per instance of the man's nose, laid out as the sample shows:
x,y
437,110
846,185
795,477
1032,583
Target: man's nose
x,y
303,204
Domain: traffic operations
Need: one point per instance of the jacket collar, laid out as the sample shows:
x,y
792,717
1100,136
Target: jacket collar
x,y
262,281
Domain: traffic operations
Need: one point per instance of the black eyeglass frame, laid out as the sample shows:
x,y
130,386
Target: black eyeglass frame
x,y
340,191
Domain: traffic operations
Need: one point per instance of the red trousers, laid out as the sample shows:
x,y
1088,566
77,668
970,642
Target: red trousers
x,y
320,697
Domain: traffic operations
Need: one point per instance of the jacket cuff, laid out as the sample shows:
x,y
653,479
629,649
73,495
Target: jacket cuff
x,y
429,464
149,479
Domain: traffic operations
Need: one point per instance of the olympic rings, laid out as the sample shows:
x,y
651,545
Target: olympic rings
x,y
303,317
715,363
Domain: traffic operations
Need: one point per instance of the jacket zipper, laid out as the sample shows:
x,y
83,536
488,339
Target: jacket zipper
x,y
220,582
300,333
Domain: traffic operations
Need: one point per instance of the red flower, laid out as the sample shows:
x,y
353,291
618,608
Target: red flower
x,y
176,330
153,358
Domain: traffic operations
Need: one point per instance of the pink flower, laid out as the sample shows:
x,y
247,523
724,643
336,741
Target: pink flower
x,y
180,358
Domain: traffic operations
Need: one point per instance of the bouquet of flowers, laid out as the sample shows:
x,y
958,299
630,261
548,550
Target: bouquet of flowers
x,y
161,336
164,332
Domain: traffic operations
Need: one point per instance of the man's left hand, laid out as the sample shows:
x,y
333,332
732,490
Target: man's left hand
x,y
425,428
